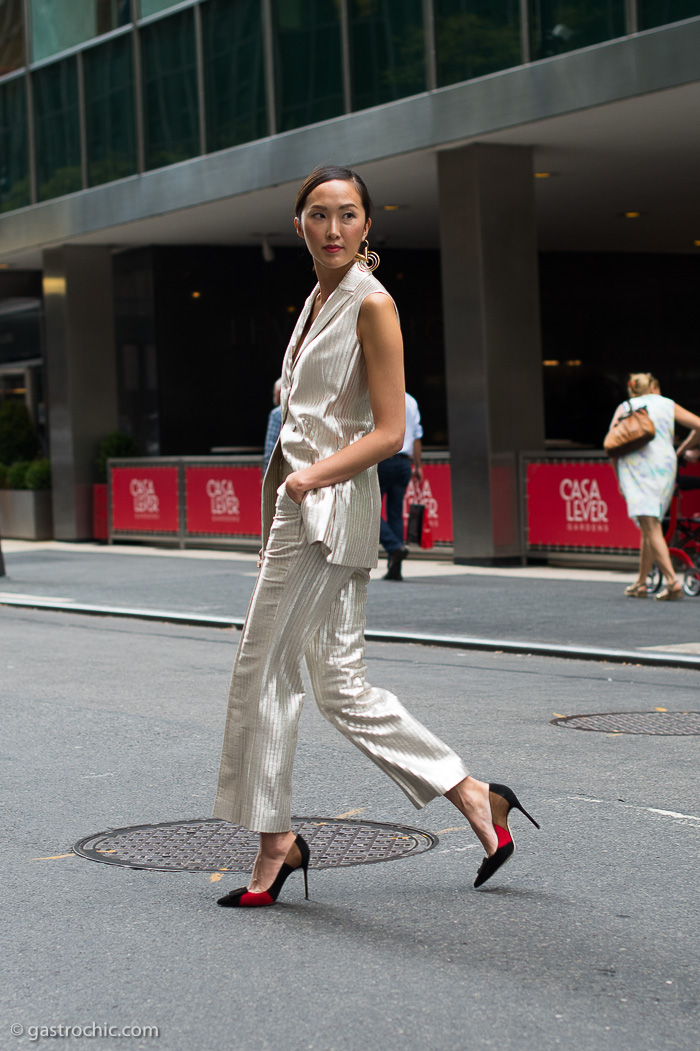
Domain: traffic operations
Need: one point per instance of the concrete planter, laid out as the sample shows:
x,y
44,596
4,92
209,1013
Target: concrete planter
x,y
26,514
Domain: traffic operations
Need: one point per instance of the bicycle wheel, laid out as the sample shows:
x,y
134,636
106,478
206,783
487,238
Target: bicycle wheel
x,y
654,580
691,582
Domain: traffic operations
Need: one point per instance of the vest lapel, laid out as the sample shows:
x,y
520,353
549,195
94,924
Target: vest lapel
x,y
325,315
329,309
288,363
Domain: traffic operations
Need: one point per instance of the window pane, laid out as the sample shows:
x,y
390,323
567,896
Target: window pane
x,y
14,164
152,7
11,43
659,12
171,115
388,50
58,24
565,25
109,111
476,37
57,130
234,72
308,61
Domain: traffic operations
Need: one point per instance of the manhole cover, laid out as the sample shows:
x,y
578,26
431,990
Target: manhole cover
x,y
669,724
209,845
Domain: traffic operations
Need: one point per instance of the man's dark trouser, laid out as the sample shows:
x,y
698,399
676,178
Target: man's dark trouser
x,y
394,476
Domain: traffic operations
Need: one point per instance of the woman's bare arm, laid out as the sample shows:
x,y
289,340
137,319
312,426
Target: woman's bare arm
x,y
379,333
690,420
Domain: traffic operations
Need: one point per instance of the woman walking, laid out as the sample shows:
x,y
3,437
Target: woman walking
x,y
647,478
342,412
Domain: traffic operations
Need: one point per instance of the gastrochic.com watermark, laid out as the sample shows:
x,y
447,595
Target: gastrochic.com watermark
x,y
91,1029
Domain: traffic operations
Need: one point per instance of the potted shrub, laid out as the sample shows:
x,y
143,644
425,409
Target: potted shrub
x,y
25,501
112,445
25,512
18,440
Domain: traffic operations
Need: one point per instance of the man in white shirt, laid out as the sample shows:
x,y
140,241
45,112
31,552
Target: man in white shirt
x,y
394,476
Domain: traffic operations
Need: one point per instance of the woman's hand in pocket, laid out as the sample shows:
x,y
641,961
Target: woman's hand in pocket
x,y
295,486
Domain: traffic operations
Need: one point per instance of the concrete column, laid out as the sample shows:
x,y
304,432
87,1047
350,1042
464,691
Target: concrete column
x,y
81,377
492,340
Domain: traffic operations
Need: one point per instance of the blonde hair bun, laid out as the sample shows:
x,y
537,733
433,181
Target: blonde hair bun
x,y
639,383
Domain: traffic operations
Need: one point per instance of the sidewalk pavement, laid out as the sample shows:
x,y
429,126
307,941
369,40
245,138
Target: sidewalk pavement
x,y
579,608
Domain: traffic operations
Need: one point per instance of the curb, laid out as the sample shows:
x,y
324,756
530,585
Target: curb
x,y
461,642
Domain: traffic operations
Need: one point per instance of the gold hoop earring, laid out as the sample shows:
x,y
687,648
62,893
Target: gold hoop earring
x,y
367,261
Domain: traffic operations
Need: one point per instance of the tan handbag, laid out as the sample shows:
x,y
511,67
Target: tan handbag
x,y
630,432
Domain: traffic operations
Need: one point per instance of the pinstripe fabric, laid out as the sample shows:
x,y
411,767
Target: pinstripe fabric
x,y
309,600
305,605
325,406
374,719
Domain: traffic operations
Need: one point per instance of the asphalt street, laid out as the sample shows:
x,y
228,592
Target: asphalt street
x,y
586,940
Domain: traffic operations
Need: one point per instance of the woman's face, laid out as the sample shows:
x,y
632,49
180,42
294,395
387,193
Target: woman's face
x,y
333,224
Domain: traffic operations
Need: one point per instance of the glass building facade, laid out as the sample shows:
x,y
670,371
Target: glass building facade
x,y
110,124
14,163
100,90
170,106
57,130
11,35
308,62
388,50
234,73
654,13
557,26
476,37
57,25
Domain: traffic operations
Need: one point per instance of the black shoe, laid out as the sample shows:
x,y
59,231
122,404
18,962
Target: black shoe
x,y
244,898
395,560
502,800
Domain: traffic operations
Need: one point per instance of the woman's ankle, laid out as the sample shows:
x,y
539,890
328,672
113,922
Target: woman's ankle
x,y
275,844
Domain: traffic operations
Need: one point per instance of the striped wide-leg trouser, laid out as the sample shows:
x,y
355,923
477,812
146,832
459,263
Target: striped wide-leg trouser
x,y
305,607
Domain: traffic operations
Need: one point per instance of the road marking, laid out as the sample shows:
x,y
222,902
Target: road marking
x,y
54,857
350,813
677,647
633,806
670,813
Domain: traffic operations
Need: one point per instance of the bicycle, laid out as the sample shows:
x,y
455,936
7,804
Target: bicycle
x,y
683,538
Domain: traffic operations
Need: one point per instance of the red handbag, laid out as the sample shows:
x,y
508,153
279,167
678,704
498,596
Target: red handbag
x,y
418,531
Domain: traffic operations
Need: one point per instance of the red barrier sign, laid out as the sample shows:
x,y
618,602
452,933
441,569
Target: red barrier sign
x,y
690,499
435,492
577,505
144,499
223,500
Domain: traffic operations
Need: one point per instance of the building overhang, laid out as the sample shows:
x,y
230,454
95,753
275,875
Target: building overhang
x,y
615,124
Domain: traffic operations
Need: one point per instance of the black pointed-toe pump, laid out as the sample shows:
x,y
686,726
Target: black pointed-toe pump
x,y
245,899
502,800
